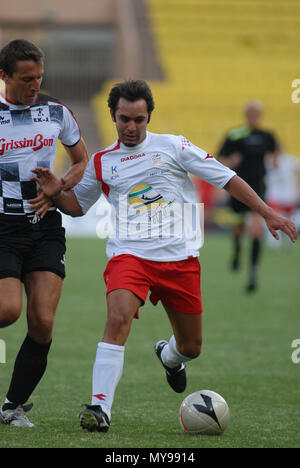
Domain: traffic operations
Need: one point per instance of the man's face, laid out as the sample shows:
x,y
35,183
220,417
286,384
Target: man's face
x,y
131,119
24,85
253,116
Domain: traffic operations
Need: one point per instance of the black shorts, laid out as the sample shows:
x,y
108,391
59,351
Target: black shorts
x,y
27,246
258,186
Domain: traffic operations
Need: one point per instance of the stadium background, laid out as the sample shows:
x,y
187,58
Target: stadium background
x,y
203,60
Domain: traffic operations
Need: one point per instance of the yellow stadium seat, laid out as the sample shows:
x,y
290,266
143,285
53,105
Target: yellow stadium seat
x,y
217,55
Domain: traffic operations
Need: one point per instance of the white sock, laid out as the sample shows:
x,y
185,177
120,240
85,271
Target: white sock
x,y
7,401
170,355
107,371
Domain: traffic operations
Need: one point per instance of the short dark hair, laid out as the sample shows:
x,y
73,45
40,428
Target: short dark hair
x,y
131,90
18,50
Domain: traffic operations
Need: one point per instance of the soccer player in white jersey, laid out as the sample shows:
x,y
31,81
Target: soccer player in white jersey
x,y
32,246
144,175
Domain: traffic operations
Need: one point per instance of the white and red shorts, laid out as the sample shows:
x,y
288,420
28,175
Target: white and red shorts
x,y
176,284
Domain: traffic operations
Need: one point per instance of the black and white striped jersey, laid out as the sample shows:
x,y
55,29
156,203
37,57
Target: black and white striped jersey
x,y
28,138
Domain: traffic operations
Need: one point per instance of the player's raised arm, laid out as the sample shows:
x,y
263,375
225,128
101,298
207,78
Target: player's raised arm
x,y
79,159
239,189
53,187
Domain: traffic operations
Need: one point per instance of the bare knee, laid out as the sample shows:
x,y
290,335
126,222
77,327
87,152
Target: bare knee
x,y
10,302
122,306
40,329
40,319
9,314
118,326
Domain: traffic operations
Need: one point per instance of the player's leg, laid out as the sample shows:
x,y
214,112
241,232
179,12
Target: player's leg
x,y
41,248
10,277
11,301
183,346
256,233
238,211
237,234
122,305
10,310
11,250
180,293
187,329
43,290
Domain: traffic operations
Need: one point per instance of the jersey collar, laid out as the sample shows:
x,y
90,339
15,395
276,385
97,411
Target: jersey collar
x,y
11,104
137,147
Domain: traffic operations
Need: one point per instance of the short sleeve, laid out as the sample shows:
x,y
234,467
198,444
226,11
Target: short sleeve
x,y
70,132
202,164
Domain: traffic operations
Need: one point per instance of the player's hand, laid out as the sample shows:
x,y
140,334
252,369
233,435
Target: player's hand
x,y
277,222
41,204
49,183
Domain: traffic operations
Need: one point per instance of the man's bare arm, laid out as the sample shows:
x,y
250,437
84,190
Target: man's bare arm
x,y
79,158
53,188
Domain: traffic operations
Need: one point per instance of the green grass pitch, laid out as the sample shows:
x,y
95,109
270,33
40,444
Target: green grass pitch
x,y
246,357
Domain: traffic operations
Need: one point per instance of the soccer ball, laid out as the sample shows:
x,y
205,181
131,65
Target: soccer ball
x,y
204,412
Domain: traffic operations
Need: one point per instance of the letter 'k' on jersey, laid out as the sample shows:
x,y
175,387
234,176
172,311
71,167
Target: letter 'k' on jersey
x,y
153,198
28,138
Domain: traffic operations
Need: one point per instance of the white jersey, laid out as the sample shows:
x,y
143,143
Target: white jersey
x,y
28,138
154,201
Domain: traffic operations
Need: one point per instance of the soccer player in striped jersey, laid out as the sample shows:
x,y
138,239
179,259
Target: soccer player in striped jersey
x,y
32,246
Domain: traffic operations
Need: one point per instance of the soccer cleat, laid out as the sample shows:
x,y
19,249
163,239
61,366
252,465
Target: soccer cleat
x,y
94,419
176,376
235,264
251,287
13,415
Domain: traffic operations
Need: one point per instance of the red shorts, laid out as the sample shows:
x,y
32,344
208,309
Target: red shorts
x,y
176,284
288,210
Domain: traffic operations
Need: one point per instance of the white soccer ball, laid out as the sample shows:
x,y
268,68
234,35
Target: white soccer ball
x,y
204,412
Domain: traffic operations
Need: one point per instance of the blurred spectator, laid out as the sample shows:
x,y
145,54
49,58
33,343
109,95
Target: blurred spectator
x,y
244,150
283,188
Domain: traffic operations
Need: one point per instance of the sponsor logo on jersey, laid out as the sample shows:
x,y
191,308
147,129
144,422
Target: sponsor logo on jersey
x,y
133,156
185,143
157,159
114,173
40,115
209,156
4,120
36,143
157,172
144,197
100,396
